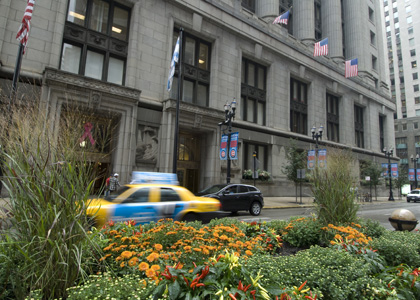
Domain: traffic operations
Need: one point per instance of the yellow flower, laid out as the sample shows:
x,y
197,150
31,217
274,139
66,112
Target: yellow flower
x,y
143,266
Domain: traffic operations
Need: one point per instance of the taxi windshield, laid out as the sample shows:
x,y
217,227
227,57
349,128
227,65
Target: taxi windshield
x,y
121,190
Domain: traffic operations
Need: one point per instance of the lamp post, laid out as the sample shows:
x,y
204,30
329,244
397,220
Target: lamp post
x,y
316,136
230,110
388,153
415,160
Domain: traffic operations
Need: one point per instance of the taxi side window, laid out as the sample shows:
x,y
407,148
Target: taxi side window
x,y
142,195
168,194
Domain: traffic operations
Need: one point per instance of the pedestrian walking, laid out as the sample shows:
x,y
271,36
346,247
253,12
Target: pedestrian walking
x,y
107,185
114,183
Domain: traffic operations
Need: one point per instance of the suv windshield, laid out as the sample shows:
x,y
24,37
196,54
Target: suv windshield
x,y
213,189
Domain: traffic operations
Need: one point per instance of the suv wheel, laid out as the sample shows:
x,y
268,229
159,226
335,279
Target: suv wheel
x,y
255,209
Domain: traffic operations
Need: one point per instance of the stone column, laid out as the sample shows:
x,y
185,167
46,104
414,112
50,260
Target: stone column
x,y
304,20
267,9
332,29
354,31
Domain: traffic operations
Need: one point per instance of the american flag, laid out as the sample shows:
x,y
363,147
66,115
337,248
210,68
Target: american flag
x,y
23,32
282,19
321,48
351,68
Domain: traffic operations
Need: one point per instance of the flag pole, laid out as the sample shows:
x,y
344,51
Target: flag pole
x,y
176,130
16,73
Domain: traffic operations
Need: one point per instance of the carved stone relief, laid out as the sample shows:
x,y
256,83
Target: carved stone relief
x,y
147,144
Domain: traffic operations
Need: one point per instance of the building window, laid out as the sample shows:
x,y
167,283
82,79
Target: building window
x,y
249,4
253,91
409,20
262,155
371,15
372,38
413,52
415,76
417,112
332,118
374,63
404,126
285,5
410,30
416,88
414,64
95,40
381,132
408,9
411,42
298,106
196,70
395,127
416,125
417,100
358,127
318,20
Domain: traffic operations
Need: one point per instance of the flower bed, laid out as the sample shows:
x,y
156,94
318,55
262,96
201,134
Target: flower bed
x,y
229,259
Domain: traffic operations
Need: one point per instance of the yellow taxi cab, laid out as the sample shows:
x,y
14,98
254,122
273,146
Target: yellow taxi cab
x,y
144,201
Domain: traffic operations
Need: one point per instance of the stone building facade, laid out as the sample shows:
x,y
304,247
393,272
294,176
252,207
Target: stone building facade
x,y
113,56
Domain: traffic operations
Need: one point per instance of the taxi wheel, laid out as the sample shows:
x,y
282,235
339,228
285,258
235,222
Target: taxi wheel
x,y
255,209
190,217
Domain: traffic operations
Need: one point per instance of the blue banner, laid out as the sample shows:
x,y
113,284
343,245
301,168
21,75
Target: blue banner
x,y
394,170
385,170
233,148
322,158
411,174
418,174
311,159
223,147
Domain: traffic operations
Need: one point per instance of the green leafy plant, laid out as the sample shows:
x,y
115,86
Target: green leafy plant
x,y
302,232
296,159
332,189
49,182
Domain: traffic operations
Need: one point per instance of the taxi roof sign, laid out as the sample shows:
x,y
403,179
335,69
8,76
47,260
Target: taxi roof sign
x,y
153,177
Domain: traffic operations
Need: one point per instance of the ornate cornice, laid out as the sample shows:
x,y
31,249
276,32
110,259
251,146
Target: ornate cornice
x,y
58,77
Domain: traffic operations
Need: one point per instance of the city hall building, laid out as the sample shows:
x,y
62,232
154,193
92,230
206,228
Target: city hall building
x,y
114,56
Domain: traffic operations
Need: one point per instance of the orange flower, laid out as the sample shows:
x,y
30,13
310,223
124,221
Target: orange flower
x,y
247,252
126,254
132,262
122,265
105,257
150,273
158,247
152,257
155,268
197,249
143,266
187,248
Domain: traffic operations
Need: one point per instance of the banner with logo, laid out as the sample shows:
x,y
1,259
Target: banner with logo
x,y
233,149
411,174
385,168
418,174
322,158
311,159
394,170
223,147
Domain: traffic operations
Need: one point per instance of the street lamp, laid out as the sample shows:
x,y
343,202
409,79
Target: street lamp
x,y
230,110
415,160
388,153
316,136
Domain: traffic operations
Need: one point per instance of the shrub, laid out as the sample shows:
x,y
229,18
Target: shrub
x,y
398,247
332,189
371,228
330,273
302,232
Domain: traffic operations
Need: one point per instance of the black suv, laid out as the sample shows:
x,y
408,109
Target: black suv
x,y
235,197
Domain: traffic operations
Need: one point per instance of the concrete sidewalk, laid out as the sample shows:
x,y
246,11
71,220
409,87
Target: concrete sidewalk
x,y
290,202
